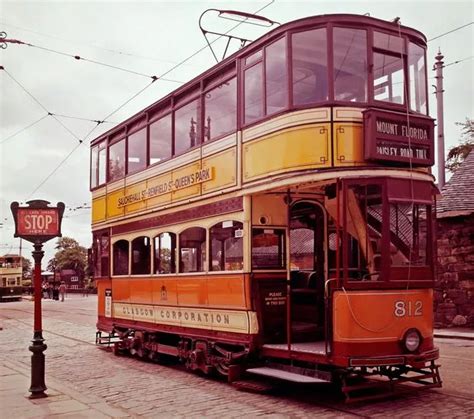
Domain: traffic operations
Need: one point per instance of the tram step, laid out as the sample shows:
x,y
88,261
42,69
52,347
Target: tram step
x,y
284,375
253,386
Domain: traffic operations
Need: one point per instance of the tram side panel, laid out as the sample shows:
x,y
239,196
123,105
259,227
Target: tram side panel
x,y
376,323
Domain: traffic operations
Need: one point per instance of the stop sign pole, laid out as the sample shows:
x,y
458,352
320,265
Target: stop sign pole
x,y
37,223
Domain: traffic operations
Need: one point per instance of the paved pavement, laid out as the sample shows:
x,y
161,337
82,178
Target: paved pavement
x,y
84,382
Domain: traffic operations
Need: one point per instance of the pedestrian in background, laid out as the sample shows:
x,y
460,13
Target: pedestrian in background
x,y
62,290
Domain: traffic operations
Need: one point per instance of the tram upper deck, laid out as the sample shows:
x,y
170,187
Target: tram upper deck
x,y
325,94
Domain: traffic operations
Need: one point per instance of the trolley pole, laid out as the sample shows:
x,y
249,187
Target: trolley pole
x,y
38,346
438,67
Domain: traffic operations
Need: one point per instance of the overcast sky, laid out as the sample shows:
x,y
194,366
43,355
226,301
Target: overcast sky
x,y
149,38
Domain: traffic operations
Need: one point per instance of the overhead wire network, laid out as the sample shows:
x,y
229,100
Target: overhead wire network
x,y
153,79
98,122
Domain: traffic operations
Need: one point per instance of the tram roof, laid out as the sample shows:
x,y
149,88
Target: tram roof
x,y
457,195
345,19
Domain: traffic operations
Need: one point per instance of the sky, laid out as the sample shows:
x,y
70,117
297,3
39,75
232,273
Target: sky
x,y
47,156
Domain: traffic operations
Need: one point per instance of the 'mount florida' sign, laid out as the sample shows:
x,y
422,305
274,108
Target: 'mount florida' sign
x,y
394,137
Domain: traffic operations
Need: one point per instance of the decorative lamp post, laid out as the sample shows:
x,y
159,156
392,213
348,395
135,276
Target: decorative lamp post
x,y
37,223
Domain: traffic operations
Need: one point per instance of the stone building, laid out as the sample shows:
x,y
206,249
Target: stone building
x,y
454,289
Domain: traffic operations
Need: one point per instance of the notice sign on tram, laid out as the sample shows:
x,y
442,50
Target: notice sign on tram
x,y
37,222
398,138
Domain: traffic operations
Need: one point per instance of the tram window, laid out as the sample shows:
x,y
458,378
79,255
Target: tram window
x,y
120,262
268,249
186,127
417,72
117,160
220,106
100,254
98,164
389,83
276,78
309,66
408,234
253,93
350,65
160,139
227,246
364,231
389,42
137,151
302,248
141,256
192,250
165,250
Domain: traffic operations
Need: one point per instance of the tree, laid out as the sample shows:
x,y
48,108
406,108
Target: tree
x,y
458,153
26,265
70,255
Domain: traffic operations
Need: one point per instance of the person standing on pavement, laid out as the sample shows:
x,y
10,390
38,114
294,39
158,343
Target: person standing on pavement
x,y
62,290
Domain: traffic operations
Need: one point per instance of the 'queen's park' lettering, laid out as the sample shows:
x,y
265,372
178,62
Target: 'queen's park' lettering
x,y
185,181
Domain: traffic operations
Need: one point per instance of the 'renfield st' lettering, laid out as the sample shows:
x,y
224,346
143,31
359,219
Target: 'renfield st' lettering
x,y
200,176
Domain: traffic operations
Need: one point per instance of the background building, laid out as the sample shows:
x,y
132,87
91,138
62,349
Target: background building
x,y
454,291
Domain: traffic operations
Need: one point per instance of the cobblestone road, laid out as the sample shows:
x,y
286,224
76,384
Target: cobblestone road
x,y
152,390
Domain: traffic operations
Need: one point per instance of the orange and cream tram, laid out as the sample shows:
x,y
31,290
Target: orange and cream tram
x,y
274,215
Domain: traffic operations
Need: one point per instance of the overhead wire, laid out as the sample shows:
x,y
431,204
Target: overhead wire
x,y
23,129
451,31
40,104
154,78
86,44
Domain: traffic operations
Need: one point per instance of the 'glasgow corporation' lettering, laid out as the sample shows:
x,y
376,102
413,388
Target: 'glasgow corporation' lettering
x,y
397,129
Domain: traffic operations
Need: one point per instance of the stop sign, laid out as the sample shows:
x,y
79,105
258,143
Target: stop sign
x,y
38,222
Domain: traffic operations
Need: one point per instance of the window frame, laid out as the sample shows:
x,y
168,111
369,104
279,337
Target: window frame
x,y
392,277
210,250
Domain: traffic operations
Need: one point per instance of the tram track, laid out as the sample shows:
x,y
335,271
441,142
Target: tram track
x,y
307,396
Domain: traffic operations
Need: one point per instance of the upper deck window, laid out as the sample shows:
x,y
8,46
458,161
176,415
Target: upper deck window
x,y
253,83
350,65
276,78
387,42
309,64
220,106
388,70
186,127
117,160
160,139
417,71
389,81
98,164
137,151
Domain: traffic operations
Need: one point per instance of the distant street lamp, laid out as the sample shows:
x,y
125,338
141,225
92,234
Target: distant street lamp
x,y
37,223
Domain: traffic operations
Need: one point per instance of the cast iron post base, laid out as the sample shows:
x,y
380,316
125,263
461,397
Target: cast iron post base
x,y
38,386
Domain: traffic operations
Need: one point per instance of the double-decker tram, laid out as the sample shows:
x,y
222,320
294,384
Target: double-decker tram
x,y
274,216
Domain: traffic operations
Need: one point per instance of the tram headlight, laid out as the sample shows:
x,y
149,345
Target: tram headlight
x,y
412,340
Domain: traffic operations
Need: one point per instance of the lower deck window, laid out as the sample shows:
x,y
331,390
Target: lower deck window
x,y
120,263
227,246
268,248
141,256
192,250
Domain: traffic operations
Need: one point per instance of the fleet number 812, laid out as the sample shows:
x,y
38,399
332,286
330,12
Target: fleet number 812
x,y
408,308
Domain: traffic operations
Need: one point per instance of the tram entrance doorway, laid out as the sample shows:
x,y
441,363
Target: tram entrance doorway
x,y
307,264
